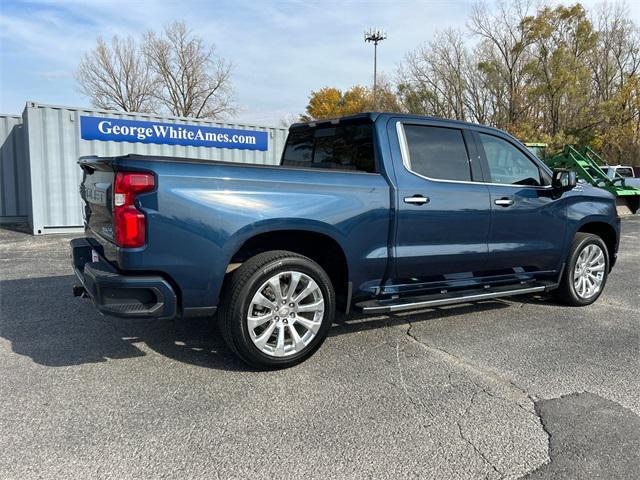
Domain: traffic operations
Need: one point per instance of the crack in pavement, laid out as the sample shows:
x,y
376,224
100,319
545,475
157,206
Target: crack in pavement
x,y
406,389
487,374
469,442
491,377
520,406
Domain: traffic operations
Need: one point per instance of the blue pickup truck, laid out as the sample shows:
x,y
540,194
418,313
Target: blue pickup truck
x,y
375,212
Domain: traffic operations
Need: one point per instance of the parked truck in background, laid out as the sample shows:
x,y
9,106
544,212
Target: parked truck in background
x,y
375,212
624,172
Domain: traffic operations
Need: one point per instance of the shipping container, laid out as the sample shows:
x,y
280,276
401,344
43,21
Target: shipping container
x,y
40,175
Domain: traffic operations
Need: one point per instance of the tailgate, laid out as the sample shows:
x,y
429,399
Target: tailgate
x,y
96,190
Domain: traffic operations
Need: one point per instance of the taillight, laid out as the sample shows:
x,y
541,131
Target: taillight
x,y
128,221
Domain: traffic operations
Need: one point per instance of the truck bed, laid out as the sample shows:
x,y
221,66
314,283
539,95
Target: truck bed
x,y
202,212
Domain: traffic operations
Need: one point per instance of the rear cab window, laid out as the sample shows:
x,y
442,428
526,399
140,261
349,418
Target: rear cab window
x,y
438,153
343,146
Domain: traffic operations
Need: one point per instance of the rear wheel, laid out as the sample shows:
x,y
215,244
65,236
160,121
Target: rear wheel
x,y
586,271
277,309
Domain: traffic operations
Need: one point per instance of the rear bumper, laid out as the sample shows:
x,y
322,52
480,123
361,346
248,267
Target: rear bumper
x,y
118,295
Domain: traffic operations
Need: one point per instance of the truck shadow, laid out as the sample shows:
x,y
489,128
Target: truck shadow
x,y
360,322
44,322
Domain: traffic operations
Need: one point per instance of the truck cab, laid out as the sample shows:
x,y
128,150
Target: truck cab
x,y
624,172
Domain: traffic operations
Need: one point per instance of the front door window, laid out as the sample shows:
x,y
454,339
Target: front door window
x,y
507,164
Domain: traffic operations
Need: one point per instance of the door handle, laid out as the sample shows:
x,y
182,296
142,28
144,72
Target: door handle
x,y
504,202
417,199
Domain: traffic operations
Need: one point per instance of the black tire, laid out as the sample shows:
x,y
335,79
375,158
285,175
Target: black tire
x,y
240,288
566,292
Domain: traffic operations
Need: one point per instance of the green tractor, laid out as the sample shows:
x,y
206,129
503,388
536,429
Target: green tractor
x,y
586,163
538,149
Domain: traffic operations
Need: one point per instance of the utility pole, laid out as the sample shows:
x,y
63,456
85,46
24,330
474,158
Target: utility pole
x,y
375,36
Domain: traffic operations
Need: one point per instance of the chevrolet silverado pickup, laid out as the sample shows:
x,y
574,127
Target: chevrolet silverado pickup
x,y
375,212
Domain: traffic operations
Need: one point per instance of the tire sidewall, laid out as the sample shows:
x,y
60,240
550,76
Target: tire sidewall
x,y
578,247
240,328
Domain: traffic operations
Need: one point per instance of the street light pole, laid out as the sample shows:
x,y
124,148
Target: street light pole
x,y
375,36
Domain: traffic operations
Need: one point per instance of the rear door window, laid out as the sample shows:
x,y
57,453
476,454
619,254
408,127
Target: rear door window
x,y
334,147
437,152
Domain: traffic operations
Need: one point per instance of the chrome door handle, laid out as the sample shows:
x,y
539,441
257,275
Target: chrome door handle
x,y
416,200
504,202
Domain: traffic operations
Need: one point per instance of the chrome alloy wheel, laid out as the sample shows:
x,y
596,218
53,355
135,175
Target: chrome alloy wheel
x,y
588,273
285,314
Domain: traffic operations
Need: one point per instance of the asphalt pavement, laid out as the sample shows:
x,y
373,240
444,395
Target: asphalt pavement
x,y
499,389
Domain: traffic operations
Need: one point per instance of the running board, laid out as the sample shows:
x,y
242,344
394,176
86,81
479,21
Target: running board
x,y
399,304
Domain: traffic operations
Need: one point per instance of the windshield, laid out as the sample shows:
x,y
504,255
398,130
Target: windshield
x,y
625,172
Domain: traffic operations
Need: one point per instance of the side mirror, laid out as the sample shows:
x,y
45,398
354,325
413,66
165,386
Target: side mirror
x,y
563,179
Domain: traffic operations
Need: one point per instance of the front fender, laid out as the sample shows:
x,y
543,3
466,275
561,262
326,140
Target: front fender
x,y
591,205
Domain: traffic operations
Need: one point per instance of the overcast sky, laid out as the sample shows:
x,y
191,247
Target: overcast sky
x,y
281,50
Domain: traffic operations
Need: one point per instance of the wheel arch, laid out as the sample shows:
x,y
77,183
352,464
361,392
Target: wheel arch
x,y
319,246
606,232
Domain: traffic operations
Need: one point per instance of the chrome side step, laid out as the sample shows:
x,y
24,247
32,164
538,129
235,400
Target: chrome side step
x,y
386,306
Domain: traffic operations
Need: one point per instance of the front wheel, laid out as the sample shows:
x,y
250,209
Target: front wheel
x,y
277,309
586,271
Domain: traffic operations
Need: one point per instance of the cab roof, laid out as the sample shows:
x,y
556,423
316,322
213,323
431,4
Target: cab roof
x,y
373,116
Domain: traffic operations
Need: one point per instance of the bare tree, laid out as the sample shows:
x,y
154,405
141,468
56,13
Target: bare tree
x,y
117,77
506,43
288,119
437,70
480,97
195,82
441,79
617,56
